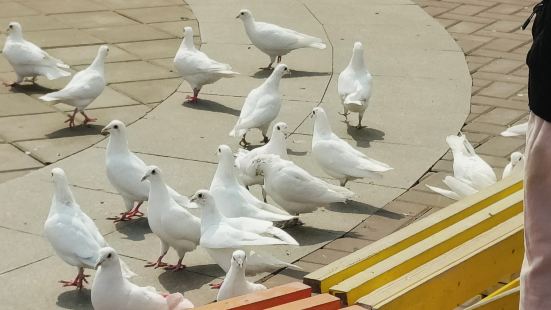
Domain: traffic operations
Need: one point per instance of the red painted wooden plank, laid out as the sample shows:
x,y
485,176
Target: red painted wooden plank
x,y
318,302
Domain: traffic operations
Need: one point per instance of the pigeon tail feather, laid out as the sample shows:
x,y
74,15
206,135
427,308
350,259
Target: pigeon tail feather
x,y
318,45
444,192
282,235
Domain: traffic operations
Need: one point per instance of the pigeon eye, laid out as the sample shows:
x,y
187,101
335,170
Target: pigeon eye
x,y
116,126
242,13
200,195
109,255
153,172
219,150
278,128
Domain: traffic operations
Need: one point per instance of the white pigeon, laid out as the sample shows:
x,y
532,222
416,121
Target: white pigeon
x,y
235,284
294,189
276,41
337,158
221,236
517,162
111,290
458,189
261,106
176,227
196,67
125,171
83,88
73,235
234,200
277,146
29,60
517,130
468,166
354,85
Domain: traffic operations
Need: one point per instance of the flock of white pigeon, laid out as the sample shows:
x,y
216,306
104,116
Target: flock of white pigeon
x,y
227,220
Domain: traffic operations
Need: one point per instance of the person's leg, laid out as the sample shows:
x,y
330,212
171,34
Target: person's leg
x,y
536,268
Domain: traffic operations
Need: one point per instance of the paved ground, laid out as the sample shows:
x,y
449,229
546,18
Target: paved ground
x,y
181,138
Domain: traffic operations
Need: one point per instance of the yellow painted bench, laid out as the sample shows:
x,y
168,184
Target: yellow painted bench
x,y
505,298
328,276
456,276
447,239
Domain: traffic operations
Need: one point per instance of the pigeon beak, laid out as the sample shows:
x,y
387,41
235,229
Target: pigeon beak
x,y
192,205
240,264
192,200
144,177
311,115
237,16
100,261
105,131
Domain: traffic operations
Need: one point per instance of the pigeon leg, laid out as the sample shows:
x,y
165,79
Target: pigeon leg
x,y
127,216
194,98
269,67
278,59
176,267
343,182
360,116
78,281
264,194
266,139
33,80
216,285
244,142
345,113
88,119
10,84
71,119
158,263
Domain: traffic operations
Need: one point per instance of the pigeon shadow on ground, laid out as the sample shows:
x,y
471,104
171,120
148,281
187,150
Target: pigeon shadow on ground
x,y
365,135
209,105
309,235
30,89
264,73
352,206
78,130
183,280
134,230
296,153
75,299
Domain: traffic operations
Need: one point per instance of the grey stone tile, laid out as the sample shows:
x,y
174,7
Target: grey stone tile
x,y
159,14
108,99
17,9
347,244
9,175
176,28
64,6
128,33
54,149
34,22
151,50
143,92
12,158
84,55
60,37
123,4
94,19
21,104
135,71
21,249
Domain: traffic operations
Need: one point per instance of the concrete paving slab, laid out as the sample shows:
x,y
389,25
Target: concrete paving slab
x,y
60,37
21,104
94,19
8,175
176,28
23,249
124,4
65,6
127,33
84,55
159,14
5,66
12,159
34,22
17,9
143,92
54,149
134,71
149,50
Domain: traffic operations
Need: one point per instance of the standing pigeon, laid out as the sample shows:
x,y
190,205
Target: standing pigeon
x,y
468,166
83,88
73,235
336,157
29,60
517,162
275,41
355,84
221,236
233,199
111,290
125,170
276,146
261,107
517,130
294,189
174,225
196,67
235,283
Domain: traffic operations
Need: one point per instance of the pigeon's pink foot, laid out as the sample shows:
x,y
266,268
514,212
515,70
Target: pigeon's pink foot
x,y
10,84
157,264
192,99
78,281
71,121
176,267
134,213
216,286
89,120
